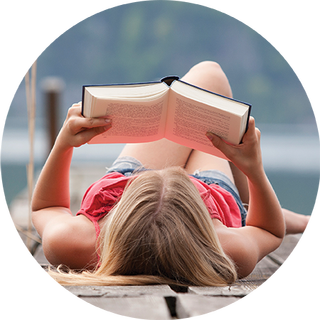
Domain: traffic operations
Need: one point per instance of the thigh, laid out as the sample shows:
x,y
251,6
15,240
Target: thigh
x,y
203,161
158,154
164,153
209,75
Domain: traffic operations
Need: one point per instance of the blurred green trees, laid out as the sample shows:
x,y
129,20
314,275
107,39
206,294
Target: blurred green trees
x,y
147,40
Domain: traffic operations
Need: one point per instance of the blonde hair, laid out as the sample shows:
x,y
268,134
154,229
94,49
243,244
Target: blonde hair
x,y
160,232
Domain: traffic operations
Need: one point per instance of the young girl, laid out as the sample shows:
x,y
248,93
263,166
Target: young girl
x,y
163,213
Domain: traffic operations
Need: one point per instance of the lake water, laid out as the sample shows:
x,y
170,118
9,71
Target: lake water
x,y
291,159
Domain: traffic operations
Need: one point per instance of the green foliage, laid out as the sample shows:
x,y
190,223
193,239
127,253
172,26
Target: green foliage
x,y
147,40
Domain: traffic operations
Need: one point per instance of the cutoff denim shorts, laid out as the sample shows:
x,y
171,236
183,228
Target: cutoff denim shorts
x,y
129,166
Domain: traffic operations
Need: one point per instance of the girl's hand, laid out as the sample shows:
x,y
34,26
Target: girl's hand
x,y
247,155
78,130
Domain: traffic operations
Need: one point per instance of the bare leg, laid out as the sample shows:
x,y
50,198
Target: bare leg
x,y
203,161
295,223
158,154
210,76
164,153
241,183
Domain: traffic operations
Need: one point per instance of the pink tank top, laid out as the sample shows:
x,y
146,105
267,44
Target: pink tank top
x,y
102,195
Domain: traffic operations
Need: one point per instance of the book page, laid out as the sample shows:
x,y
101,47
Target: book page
x,y
188,121
134,121
95,97
209,98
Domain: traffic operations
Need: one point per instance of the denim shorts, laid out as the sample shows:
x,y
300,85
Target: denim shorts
x,y
129,166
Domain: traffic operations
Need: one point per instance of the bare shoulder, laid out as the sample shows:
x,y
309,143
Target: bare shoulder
x,y
70,240
246,246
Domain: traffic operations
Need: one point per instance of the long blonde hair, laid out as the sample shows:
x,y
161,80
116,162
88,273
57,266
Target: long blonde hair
x,y
160,232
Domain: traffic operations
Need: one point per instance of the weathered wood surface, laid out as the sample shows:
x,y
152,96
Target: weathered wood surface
x,y
192,305
298,250
234,302
126,302
247,299
158,302
143,307
275,280
298,259
163,302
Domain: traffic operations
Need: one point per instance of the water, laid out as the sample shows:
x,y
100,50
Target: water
x,y
291,160
14,180
296,191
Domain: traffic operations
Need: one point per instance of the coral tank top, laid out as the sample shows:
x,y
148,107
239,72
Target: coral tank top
x,y
102,195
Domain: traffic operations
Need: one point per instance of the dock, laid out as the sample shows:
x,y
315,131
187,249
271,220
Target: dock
x,y
272,284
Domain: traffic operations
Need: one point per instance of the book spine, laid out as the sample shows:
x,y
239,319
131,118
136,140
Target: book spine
x,y
82,105
169,79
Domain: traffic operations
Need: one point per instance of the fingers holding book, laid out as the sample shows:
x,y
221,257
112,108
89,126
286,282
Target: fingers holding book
x,y
78,130
247,155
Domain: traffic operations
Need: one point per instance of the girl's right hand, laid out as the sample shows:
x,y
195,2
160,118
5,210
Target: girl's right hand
x,y
78,130
247,155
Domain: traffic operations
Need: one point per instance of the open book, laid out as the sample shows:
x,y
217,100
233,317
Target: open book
x,y
169,108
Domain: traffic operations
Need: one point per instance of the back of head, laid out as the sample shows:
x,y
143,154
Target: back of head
x,y
161,229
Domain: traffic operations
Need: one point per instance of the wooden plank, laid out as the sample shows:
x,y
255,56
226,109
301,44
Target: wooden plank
x,y
252,291
263,270
143,307
250,296
299,261
70,295
265,275
257,293
298,250
191,305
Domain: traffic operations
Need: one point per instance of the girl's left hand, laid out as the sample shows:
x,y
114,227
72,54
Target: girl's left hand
x,y
247,155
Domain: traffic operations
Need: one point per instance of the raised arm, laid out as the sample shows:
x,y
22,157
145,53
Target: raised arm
x,y
52,188
66,239
265,227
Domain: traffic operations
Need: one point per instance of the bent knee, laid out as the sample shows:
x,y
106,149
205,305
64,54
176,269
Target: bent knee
x,y
207,67
210,76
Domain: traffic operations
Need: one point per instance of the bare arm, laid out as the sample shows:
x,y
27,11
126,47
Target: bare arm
x,y
51,213
52,189
264,210
265,227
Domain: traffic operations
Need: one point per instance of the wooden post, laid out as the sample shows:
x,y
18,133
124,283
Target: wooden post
x,y
52,87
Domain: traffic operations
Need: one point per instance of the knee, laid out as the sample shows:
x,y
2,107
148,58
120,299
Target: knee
x,y
210,76
207,67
